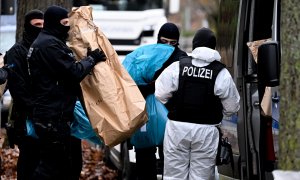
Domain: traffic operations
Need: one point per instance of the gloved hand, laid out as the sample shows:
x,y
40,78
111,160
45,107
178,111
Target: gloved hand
x,y
97,55
147,89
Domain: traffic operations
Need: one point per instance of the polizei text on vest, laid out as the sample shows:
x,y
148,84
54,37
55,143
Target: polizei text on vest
x,y
197,72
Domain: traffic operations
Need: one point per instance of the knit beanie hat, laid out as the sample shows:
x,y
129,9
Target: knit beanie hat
x,y
204,37
168,30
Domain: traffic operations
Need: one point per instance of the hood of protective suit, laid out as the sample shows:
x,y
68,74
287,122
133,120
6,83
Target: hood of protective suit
x,y
206,54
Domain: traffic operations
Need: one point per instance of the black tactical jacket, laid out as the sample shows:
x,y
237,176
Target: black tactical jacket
x,y
55,76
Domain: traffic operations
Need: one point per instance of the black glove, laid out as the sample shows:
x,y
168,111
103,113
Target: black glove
x,y
147,89
97,55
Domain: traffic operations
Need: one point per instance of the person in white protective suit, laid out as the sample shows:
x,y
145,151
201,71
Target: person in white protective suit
x,y
203,92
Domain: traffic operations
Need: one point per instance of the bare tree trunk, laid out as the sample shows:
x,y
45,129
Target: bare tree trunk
x,y
23,6
289,136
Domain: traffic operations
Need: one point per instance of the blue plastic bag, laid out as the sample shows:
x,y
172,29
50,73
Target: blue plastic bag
x,y
81,126
152,133
143,62
30,129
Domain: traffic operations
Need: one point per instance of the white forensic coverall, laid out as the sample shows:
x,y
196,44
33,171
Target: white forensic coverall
x,y
190,149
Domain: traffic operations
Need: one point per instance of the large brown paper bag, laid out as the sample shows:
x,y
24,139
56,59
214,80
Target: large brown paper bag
x,y
113,102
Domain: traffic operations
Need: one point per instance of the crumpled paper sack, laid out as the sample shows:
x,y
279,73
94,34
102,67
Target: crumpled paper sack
x,y
112,100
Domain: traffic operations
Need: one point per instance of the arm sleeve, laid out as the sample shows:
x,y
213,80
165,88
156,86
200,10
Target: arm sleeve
x,y
226,90
167,83
18,78
67,65
3,75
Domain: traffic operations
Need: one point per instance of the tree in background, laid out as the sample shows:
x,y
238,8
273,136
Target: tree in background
x,y
24,6
289,136
194,14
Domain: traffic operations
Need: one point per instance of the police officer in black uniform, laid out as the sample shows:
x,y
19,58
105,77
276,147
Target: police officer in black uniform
x,y
19,86
56,77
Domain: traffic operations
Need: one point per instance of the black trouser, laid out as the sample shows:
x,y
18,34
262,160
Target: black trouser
x,y
28,158
60,154
146,166
60,161
28,147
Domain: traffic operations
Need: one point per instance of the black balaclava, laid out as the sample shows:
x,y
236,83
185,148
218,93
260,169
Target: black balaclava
x,y
53,15
31,32
204,37
170,31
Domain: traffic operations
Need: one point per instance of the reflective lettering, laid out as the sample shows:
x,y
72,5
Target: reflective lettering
x,y
184,70
194,72
208,74
201,72
190,71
